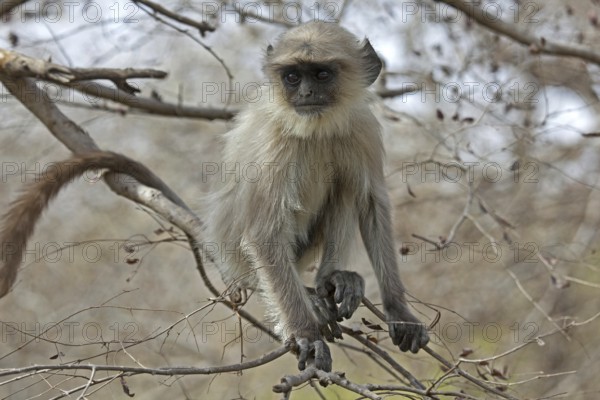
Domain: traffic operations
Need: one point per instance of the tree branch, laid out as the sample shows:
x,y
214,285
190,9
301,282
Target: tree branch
x,y
150,105
15,65
267,358
6,7
20,65
443,361
202,26
536,44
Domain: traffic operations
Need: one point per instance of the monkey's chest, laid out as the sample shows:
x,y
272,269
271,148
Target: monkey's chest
x,y
310,204
326,198
324,179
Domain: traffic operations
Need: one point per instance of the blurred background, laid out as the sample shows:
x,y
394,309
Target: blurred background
x,y
492,165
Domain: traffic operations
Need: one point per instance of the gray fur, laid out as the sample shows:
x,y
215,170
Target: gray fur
x,y
337,186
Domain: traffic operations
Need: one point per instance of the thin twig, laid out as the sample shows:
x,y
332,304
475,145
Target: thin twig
x,y
443,361
87,386
536,44
264,359
202,26
537,305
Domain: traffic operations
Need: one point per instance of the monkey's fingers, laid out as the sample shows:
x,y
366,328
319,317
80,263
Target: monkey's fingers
x,y
325,308
396,333
328,325
421,339
349,291
303,352
327,314
336,330
409,336
323,359
331,331
415,339
324,288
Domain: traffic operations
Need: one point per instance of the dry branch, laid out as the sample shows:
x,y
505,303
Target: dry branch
x,y
6,6
14,65
202,26
447,364
536,44
264,359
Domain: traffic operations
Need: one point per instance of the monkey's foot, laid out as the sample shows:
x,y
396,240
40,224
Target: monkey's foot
x,y
347,289
311,352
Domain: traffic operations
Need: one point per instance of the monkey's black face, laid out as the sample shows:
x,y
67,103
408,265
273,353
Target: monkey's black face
x,y
310,88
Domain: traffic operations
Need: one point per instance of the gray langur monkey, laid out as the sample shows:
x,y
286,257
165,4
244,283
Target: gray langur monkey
x,y
322,145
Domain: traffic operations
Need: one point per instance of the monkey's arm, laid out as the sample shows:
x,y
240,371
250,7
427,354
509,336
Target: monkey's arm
x,y
19,221
283,288
332,283
405,329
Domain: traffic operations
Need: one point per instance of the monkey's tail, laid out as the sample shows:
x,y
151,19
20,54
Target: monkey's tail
x,y
24,212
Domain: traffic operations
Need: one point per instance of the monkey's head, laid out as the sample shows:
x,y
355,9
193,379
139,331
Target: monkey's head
x,y
319,70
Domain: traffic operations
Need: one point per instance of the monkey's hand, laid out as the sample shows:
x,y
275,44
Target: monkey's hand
x,y
406,331
314,352
346,288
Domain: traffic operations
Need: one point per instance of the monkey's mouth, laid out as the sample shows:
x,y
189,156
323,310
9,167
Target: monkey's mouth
x,y
310,109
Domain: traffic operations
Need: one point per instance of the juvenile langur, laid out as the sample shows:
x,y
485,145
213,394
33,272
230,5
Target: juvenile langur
x,y
316,136
321,152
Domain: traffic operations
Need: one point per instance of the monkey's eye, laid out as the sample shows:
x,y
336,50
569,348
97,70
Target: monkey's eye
x,y
292,78
323,75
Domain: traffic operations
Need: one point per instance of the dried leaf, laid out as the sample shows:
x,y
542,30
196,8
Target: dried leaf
x,y
126,388
466,352
498,374
372,339
371,325
559,282
410,192
404,250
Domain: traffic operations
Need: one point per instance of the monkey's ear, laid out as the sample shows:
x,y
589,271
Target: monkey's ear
x,y
371,63
269,50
